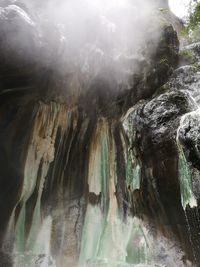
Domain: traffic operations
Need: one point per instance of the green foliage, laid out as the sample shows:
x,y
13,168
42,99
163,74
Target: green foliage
x,y
187,55
194,17
197,66
193,22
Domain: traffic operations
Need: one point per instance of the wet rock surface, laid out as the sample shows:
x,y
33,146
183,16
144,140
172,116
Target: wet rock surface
x,y
171,115
65,155
190,54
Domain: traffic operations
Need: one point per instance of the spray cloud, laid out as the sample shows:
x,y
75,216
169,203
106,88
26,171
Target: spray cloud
x,y
94,38
99,33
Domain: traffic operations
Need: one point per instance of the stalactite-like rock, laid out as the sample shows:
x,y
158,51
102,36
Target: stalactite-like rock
x,y
101,169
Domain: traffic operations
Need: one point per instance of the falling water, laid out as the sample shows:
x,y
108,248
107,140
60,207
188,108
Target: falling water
x,y
81,172
187,195
107,239
35,247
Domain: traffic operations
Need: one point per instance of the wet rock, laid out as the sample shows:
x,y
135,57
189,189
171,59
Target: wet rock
x,y
157,121
160,66
70,133
20,37
190,54
165,126
189,136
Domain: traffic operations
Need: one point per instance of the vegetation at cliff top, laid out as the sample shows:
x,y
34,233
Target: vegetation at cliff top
x,y
192,27
194,14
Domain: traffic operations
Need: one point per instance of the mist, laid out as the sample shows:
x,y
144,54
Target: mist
x,y
99,34
83,40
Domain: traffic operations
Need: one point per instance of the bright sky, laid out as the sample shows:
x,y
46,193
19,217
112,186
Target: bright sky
x,y
179,7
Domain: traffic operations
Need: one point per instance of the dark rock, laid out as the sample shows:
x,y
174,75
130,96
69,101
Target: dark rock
x,y
157,128
157,71
157,121
190,54
189,136
37,83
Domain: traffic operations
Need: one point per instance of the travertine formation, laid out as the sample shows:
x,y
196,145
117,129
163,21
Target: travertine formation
x,y
96,170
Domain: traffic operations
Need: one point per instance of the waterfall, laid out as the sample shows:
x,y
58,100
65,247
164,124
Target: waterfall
x,y
99,137
185,177
105,235
98,228
34,244
186,172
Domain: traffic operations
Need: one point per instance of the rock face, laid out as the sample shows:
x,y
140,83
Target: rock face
x,y
166,144
91,176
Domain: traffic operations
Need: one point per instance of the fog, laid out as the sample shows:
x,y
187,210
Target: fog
x,y
90,38
99,33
